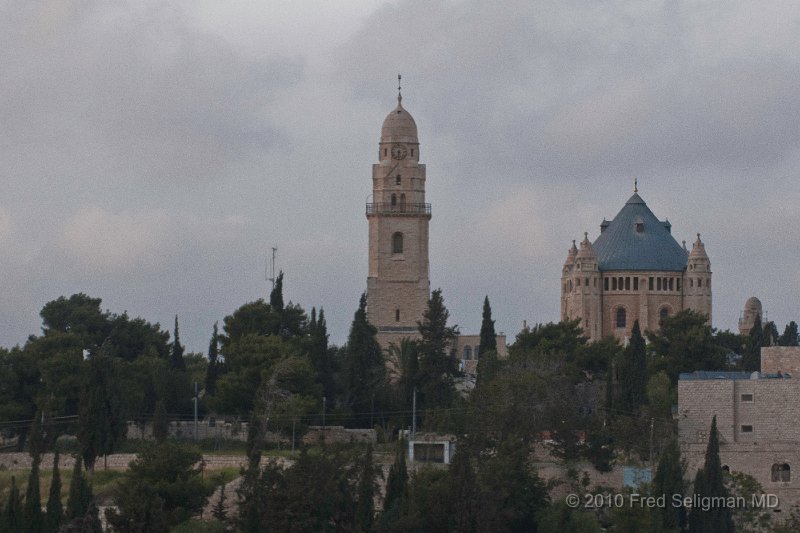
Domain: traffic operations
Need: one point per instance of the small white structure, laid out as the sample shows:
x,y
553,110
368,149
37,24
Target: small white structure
x,y
431,448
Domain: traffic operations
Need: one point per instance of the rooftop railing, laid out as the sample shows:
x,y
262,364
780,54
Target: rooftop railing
x,y
398,209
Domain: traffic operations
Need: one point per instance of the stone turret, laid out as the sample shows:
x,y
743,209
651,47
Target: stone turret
x,y
697,279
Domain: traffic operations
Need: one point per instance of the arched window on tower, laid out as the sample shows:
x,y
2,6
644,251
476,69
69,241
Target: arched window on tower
x,y
621,318
397,243
394,200
402,202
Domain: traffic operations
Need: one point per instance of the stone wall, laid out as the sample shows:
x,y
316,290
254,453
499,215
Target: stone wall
x,y
784,359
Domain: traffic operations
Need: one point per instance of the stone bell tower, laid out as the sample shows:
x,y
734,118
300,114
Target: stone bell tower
x,y
398,285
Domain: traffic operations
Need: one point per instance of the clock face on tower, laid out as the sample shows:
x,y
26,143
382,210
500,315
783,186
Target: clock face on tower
x,y
399,151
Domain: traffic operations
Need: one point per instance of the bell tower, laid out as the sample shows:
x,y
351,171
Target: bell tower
x,y
398,285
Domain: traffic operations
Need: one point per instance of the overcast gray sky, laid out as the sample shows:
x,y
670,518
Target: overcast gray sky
x,y
153,151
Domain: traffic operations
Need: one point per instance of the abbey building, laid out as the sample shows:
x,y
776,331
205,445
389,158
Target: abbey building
x,y
635,269
398,284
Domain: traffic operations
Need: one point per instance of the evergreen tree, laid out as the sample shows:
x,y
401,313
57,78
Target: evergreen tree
x,y
365,506
12,516
751,358
101,422
437,364
771,335
219,511
33,500
276,296
488,336
610,404
80,494
633,372
463,492
709,483
176,361
320,358
397,481
668,481
213,368
364,365
55,511
160,422
789,337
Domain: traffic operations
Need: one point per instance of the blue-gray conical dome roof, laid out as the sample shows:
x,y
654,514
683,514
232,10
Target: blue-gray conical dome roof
x,y
637,240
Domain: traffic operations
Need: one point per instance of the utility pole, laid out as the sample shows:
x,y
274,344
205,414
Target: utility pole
x,y
272,271
324,399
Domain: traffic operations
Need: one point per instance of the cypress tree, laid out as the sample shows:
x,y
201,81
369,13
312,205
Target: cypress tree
x,y
160,422
488,337
276,296
463,492
13,513
33,500
55,511
364,366
669,481
219,511
176,354
213,368
80,494
365,505
751,359
101,423
633,372
397,481
789,337
709,483
436,364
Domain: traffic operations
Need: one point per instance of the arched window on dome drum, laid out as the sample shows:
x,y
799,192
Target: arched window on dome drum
x,y
397,243
621,318
663,313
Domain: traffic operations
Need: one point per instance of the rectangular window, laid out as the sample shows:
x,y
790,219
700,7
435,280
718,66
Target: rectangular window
x,y
613,284
699,282
671,282
650,284
747,397
586,281
691,282
397,315
594,283
658,284
636,283
577,282
678,283
747,429
605,284
397,180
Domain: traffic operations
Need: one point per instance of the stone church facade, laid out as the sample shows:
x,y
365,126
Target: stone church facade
x,y
634,270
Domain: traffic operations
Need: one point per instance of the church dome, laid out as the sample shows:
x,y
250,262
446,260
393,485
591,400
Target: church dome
x,y
637,240
399,126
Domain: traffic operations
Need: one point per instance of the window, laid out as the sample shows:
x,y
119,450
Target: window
x,y
699,282
621,319
781,472
621,281
467,352
691,282
747,397
402,202
613,284
394,200
627,283
747,428
658,284
586,281
384,152
663,313
412,152
640,227
671,281
636,284
397,315
605,284
397,243
650,285
397,180
678,284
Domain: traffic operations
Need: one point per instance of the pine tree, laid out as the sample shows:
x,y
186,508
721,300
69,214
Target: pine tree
x,y
55,511
12,517
709,483
176,361
789,337
488,336
669,481
213,369
364,367
365,505
33,500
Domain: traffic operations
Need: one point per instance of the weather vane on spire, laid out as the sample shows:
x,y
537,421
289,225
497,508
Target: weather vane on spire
x,y
399,86
635,184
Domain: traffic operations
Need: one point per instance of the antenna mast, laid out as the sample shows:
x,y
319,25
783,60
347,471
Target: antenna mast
x,y
272,278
